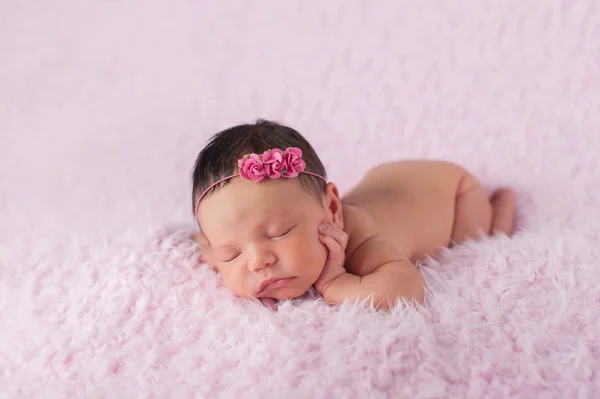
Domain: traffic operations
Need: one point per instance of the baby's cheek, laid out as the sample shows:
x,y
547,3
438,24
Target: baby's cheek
x,y
303,250
234,282
317,251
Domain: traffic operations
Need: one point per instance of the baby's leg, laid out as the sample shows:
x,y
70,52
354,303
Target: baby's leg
x,y
475,213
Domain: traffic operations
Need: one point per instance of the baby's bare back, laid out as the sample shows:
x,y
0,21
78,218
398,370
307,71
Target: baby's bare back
x,y
410,204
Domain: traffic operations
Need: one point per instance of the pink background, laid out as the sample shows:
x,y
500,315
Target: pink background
x,y
105,104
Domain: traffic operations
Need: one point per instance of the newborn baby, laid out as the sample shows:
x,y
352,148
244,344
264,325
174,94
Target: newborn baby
x,y
273,226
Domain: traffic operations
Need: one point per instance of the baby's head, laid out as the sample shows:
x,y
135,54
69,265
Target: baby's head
x,y
262,223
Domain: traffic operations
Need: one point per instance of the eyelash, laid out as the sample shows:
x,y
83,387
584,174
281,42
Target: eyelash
x,y
279,236
232,259
287,231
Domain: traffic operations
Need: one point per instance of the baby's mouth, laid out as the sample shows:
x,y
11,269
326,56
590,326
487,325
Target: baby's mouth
x,y
274,282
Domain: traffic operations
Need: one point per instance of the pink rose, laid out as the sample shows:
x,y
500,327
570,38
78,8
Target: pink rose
x,y
293,160
274,164
252,168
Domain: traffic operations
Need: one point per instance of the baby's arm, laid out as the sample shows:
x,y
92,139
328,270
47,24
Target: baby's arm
x,y
384,286
393,275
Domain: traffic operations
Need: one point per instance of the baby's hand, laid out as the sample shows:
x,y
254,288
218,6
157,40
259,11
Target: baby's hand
x,y
335,240
269,302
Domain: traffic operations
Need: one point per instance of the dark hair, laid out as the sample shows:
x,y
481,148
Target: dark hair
x,y
218,159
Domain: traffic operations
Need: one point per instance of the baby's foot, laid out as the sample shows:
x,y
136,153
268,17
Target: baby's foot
x,y
503,205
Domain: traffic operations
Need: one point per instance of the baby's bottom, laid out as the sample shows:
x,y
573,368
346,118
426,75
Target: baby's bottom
x,y
476,213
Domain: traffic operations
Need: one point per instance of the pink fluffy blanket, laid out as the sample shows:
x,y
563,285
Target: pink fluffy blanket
x,y
505,318
104,106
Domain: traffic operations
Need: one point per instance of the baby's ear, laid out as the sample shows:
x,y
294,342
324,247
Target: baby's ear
x,y
333,204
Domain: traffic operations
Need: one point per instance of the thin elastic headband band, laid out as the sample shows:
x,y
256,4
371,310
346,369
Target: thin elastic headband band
x,y
273,164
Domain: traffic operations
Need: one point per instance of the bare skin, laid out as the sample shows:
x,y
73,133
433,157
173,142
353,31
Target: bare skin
x,y
420,206
395,216
399,213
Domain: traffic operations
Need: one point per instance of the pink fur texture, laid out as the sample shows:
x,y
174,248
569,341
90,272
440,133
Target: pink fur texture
x,y
105,104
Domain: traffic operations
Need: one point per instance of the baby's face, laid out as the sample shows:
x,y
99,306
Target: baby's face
x,y
260,231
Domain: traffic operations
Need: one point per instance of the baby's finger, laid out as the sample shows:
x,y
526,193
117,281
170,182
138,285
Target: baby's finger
x,y
334,248
338,235
330,242
269,302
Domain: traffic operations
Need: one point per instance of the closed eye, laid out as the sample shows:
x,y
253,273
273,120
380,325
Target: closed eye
x,y
231,259
285,232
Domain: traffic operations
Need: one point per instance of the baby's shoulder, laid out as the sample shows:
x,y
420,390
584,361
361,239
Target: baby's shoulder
x,y
370,242
359,224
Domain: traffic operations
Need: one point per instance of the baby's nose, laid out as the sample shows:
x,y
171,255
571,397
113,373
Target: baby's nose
x,y
261,259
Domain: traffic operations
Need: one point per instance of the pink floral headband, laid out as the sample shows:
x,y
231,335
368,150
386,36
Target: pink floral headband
x,y
273,163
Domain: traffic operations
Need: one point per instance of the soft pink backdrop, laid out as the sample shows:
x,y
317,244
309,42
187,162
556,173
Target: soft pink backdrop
x,y
104,105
